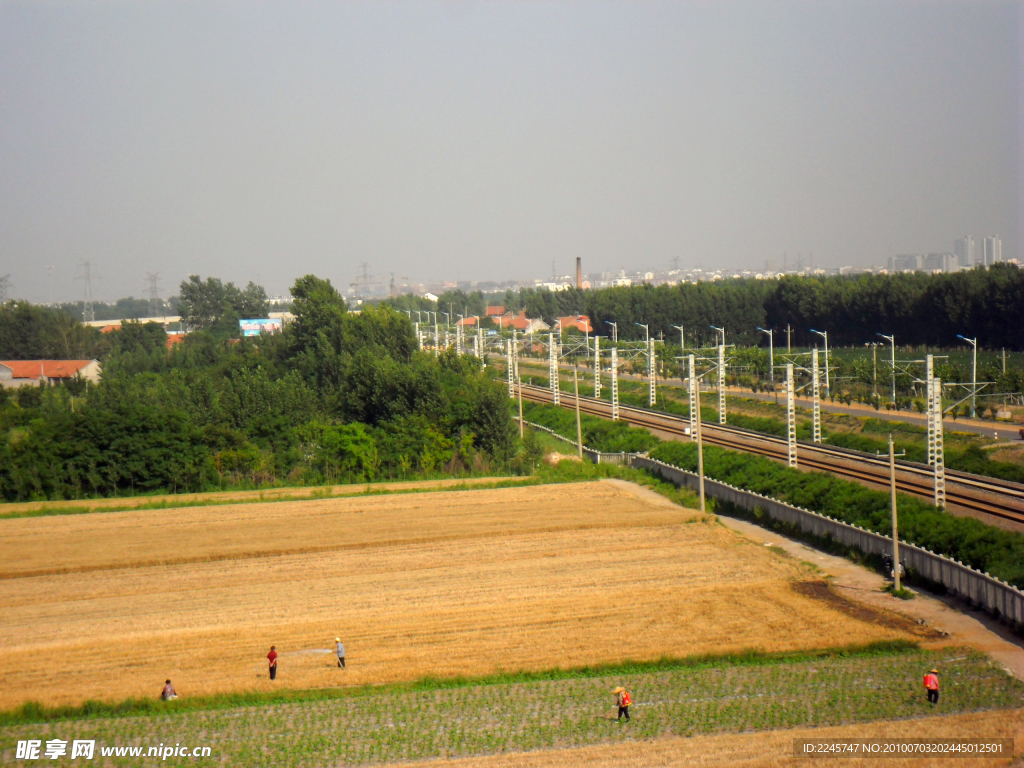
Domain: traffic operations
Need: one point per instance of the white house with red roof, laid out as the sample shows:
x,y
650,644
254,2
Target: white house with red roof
x,y
32,373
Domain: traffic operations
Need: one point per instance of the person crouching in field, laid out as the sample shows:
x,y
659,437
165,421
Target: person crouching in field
x,y
931,683
168,692
272,658
340,651
623,700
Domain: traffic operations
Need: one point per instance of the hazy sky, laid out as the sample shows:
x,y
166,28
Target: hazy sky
x,y
479,141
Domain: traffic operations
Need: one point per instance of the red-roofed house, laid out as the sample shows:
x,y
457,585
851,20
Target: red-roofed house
x,y
467,322
495,311
579,322
174,338
522,323
30,373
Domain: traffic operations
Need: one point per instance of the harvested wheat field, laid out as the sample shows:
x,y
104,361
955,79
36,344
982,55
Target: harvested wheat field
x,y
106,606
771,749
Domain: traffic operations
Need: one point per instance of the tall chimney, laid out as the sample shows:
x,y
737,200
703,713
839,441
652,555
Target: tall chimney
x,y
579,272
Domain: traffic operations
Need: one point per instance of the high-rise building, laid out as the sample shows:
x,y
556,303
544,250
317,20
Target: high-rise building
x,y
929,262
964,250
991,250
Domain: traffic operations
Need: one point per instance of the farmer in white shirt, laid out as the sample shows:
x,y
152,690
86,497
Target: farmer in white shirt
x,y
341,652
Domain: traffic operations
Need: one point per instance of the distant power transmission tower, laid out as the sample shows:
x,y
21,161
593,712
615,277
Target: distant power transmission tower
x,y
88,315
5,284
154,294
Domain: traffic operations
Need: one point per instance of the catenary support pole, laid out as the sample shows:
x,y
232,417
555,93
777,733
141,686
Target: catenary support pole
x,y
553,368
597,367
815,396
651,374
615,384
940,455
790,415
519,385
700,454
895,528
694,387
929,382
721,383
508,364
579,425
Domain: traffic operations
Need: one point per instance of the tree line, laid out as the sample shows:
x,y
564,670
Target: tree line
x,y
335,397
919,309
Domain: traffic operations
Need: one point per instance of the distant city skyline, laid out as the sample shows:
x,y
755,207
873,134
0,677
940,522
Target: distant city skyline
x,y
445,141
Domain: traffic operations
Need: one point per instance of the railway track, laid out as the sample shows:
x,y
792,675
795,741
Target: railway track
x,y
988,496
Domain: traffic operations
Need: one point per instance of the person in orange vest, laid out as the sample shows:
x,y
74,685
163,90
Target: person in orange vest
x,y
623,700
931,683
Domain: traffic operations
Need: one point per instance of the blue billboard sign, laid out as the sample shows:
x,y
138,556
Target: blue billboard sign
x,y
256,327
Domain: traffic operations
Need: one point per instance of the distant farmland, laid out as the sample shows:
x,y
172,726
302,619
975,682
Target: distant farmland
x,y
106,606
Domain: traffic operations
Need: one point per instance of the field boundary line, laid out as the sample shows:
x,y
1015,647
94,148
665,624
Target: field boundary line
x,y
267,496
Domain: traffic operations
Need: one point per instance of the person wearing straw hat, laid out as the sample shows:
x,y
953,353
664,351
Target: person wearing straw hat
x,y
340,650
623,700
931,683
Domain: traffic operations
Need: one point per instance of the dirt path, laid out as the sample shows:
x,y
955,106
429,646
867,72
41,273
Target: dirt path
x,y
854,582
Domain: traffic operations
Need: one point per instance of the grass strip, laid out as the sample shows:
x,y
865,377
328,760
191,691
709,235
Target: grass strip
x,y
315,494
34,712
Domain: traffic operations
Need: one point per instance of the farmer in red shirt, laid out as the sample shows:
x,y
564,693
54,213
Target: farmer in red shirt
x,y
272,658
623,700
931,682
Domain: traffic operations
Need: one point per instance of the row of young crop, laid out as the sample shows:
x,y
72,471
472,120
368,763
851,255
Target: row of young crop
x,y
389,724
984,547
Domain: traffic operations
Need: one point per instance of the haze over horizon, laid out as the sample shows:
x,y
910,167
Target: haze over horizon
x,y
480,141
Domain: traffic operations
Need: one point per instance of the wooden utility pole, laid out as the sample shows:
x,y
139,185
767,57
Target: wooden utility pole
x,y
579,427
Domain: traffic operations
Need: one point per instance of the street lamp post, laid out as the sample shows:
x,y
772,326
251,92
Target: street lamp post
x,y
974,369
824,335
771,354
892,343
874,366
649,343
615,330
721,331
682,348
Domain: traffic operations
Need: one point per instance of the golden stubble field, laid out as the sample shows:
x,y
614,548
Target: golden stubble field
x,y
106,606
